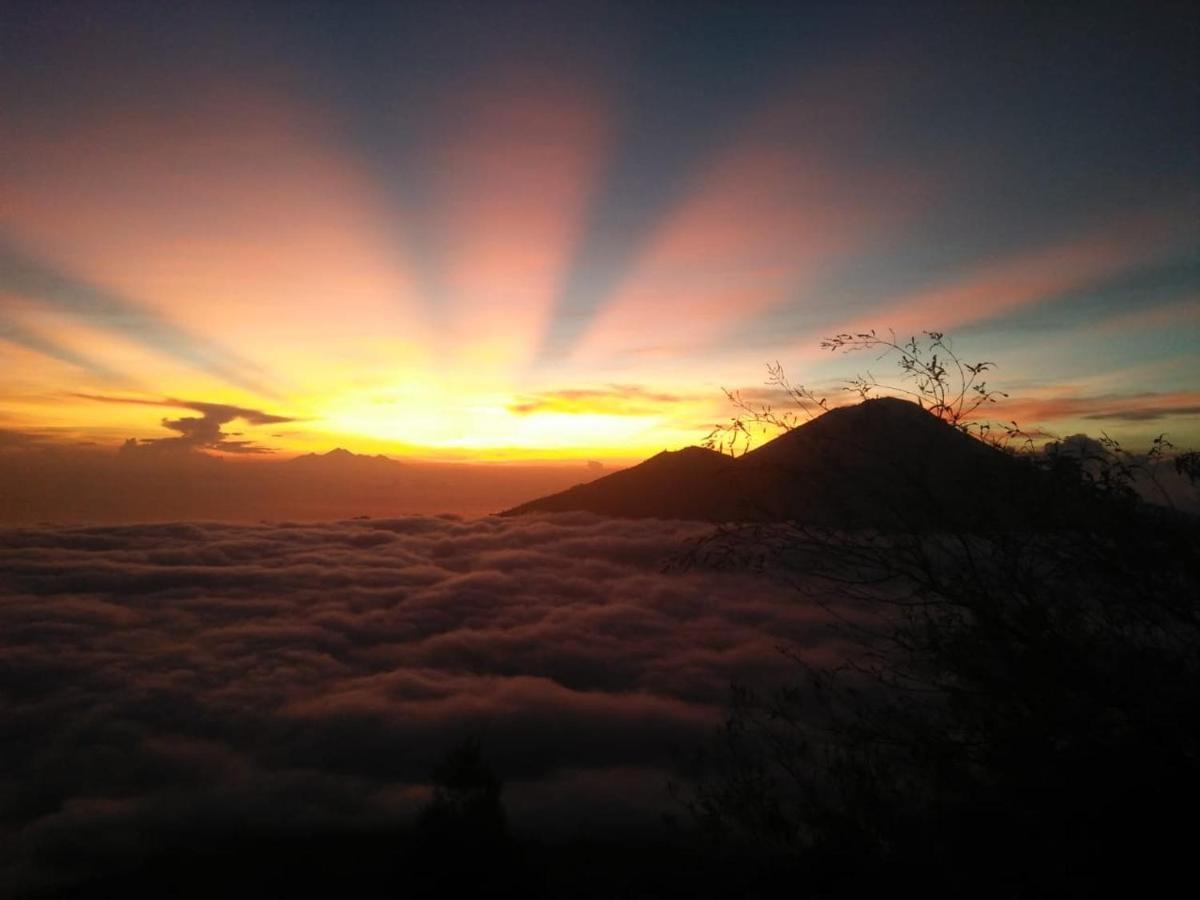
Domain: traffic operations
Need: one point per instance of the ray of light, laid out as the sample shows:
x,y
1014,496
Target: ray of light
x,y
1000,287
775,209
513,178
174,207
21,335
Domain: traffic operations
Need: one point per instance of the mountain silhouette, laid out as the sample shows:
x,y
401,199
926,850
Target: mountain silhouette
x,y
692,483
880,463
340,459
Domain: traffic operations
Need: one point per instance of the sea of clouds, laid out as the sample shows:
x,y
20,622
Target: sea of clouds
x,y
173,676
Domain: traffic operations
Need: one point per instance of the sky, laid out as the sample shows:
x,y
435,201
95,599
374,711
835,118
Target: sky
x,y
524,231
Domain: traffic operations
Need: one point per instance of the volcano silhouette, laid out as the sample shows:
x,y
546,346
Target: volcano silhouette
x,y
880,463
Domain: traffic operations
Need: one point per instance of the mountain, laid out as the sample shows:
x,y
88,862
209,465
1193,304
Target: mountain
x,y
341,460
879,463
693,483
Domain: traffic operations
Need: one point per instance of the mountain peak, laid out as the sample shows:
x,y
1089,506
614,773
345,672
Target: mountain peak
x,y
340,457
879,409
874,464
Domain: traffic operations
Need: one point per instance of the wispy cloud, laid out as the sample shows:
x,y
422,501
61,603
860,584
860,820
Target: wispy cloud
x,y
1063,405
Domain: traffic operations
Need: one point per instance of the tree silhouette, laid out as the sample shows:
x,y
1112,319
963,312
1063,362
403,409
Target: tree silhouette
x,y
931,374
466,806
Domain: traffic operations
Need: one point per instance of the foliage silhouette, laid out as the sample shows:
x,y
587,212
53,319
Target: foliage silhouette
x,y
466,805
462,842
932,375
1017,698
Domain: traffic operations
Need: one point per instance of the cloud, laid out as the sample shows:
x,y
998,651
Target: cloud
x,y
1146,413
10,439
163,676
198,433
613,400
1142,407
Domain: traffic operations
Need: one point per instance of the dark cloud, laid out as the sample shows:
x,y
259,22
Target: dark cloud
x,y
1146,413
612,400
1140,407
10,438
168,675
201,432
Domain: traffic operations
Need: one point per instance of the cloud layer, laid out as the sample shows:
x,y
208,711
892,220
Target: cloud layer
x,y
159,677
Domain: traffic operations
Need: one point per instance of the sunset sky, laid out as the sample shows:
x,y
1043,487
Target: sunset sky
x,y
526,231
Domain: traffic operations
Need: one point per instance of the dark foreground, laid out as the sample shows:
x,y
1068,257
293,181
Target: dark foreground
x,y
403,864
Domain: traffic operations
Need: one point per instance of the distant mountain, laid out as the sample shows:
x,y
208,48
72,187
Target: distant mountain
x,y
880,463
344,460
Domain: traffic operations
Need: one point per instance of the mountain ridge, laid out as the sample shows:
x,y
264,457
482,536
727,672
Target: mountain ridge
x,y
340,455
880,463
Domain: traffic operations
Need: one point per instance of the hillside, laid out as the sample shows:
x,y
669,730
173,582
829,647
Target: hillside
x,y
692,483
